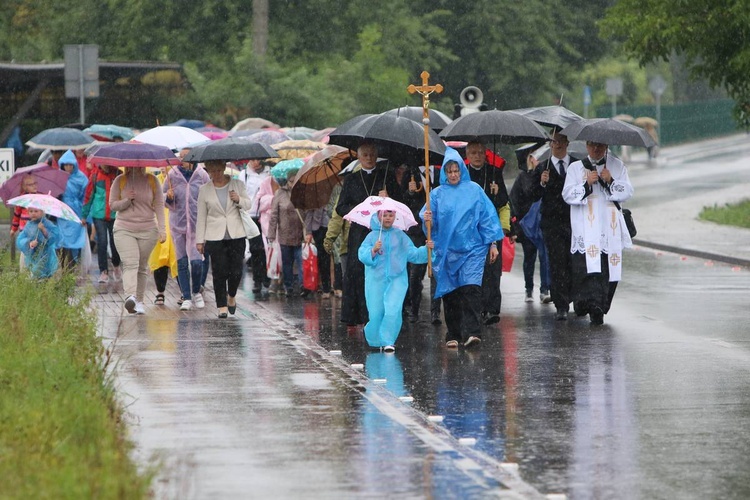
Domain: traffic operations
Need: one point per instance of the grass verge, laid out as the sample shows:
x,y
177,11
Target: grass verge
x,y
737,214
61,432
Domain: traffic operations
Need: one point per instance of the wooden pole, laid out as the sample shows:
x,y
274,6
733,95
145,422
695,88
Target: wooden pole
x,y
425,90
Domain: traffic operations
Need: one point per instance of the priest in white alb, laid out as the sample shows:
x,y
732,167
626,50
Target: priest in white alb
x,y
594,187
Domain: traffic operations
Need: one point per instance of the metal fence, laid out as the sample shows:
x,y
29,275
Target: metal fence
x,y
685,122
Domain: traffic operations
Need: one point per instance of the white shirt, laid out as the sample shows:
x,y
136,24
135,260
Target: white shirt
x,y
556,163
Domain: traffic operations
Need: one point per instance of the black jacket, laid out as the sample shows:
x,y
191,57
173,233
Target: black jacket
x,y
555,211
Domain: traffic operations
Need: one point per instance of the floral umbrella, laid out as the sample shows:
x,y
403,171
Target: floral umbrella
x,y
362,213
316,179
46,203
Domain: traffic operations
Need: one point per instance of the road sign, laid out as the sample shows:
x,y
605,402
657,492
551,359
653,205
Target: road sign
x,y
7,163
81,66
614,86
657,85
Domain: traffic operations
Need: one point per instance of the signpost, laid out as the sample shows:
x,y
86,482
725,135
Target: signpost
x,y
614,88
81,74
657,86
586,100
7,164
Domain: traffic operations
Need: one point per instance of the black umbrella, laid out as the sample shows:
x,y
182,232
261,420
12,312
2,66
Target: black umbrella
x,y
60,139
398,139
496,126
438,120
231,149
608,131
550,116
576,149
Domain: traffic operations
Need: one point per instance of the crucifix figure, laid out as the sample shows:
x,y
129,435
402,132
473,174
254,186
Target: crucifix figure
x,y
425,90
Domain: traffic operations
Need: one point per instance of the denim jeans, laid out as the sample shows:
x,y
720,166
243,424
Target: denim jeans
x,y
291,255
189,272
530,253
104,236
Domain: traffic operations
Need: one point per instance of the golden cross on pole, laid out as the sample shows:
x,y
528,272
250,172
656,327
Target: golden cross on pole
x,y
425,90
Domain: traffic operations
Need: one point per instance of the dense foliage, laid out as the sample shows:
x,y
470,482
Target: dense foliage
x,y
713,37
327,60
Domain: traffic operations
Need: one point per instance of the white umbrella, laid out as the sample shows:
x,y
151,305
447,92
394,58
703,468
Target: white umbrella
x,y
171,136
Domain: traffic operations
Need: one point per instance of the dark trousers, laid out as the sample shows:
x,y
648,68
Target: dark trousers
x,y
161,276
324,259
462,312
592,292
558,254
226,267
353,304
291,256
491,298
258,260
414,295
103,237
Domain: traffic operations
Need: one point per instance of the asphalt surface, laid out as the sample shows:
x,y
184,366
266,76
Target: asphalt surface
x,y
282,402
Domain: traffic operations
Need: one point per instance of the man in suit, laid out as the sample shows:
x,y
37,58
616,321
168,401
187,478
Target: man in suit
x,y
549,179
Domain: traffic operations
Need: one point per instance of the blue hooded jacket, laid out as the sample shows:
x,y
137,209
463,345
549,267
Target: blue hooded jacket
x,y
73,234
42,260
464,224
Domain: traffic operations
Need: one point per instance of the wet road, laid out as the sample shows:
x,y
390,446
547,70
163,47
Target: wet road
x,y
654,404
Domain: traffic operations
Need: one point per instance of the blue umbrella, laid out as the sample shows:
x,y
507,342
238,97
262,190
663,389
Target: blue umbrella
x,y
285,168
110,132
59,139
184,122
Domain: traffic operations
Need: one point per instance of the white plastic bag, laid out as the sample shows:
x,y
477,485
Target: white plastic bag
x,y
273,261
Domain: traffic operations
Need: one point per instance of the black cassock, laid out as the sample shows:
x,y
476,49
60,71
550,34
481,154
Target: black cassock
x,y
357,187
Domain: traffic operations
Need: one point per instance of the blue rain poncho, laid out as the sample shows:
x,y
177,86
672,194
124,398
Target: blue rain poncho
x,y
73,234
464,224
41,261
386,280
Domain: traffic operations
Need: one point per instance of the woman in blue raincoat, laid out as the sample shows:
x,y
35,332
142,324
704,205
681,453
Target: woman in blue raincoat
x,y
385,252
465,227
73,235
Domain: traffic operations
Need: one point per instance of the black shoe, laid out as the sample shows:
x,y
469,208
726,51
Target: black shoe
x,y
580,308
435,318
413,317
561,315
257,288
491,319
596,317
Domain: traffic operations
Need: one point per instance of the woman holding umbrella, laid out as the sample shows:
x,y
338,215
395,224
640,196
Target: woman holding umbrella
x,y
465,228
137,198
220,232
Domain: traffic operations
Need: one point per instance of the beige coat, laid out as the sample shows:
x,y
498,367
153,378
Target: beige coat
x,y
214,221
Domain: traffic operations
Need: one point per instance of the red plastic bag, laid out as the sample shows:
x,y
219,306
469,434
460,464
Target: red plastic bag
x,y
509,253
309,267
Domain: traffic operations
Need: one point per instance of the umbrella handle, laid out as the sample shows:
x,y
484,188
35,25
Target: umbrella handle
x,y
420,186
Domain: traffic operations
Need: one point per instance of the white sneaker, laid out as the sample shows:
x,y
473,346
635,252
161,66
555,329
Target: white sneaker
x,y
103,277
116,273
130,304
389,348
187,305
545,298
198,300
139,309
529,298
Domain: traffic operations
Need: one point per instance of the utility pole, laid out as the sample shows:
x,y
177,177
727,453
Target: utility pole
x,y
260,28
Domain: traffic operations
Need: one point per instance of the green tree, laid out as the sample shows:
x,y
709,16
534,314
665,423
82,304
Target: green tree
x,y
712,35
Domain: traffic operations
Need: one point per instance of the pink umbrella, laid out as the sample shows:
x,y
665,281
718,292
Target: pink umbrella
x,y
362,213
47,204
48,180
134,154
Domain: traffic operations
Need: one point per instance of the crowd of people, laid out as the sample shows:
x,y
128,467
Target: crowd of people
x,y
189,218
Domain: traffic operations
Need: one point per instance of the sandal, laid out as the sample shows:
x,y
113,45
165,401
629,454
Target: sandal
x,y
159,300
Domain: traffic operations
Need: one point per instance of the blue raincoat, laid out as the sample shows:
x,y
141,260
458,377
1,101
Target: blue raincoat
x,y
464,224
386,280
42,260
73,234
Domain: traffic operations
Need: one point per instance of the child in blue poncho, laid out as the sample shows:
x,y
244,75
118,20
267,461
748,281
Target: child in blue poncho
x,y
385,252
38,242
